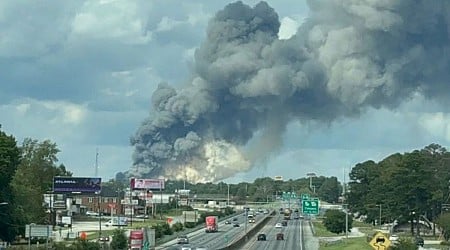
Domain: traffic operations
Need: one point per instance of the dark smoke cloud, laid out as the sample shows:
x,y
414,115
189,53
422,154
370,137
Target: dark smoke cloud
x,y
248,84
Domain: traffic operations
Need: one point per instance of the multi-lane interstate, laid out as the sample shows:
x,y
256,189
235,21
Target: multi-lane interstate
x,y
292,236
227,234
293,233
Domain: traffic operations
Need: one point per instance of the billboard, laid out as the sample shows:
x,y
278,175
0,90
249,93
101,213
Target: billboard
x,y
64,184
33,230
278,178
150,184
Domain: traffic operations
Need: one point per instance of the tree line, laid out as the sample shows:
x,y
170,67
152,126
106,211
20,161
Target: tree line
x,y
27,171
402,187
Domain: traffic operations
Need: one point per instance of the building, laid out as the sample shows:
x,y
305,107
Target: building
x,y
107,202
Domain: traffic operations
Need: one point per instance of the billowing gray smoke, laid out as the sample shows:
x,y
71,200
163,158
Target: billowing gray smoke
x,y
248,84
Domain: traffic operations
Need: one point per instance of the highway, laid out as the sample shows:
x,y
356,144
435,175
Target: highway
x,y
292,236
227,233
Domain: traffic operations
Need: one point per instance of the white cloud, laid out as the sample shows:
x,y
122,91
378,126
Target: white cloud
x,y
81,73
288,27
167,24
436,124
119,20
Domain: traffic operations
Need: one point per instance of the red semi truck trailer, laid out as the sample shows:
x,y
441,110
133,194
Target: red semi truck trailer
x,y
212,224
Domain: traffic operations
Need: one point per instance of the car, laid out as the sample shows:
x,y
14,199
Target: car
x,y
91,213
103,239
394,237
261,237
280,236
284,223
227,222
236,225
278,225
141,216
201,248
182,239
419,241
235,219
186,248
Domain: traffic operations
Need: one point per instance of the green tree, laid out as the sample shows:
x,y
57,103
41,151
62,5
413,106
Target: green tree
x,y
444,222
334,221
330,190
9,162
119,240
34,177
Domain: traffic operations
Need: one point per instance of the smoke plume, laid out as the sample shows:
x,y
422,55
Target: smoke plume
x,y
248,84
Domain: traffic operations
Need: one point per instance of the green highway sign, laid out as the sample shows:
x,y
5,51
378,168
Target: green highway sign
x,y
289,195
305,196
310,206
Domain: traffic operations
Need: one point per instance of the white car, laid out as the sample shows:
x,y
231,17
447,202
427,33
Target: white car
x,y
278,225
91,213
394,237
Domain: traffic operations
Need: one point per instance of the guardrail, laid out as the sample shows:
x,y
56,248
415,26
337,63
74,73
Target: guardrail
x,y
237,244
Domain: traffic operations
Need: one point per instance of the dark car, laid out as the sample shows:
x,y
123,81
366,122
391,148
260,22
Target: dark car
x,y
183,239
235,219
284,223
236,225
419,241
261,237
280,236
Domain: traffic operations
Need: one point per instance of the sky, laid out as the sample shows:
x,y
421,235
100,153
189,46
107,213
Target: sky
x,y
82,74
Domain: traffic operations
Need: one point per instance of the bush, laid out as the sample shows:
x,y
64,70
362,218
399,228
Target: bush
x,y
166,229
119,240
404,244
334,221
190,224
177,227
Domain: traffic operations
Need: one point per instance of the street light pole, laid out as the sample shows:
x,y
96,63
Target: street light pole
x,y
380,215
228,196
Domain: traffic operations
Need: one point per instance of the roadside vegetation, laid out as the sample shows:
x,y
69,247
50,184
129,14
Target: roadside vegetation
x,y
404,186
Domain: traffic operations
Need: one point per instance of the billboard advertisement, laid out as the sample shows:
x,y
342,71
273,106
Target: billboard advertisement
x,y
150,184
64,184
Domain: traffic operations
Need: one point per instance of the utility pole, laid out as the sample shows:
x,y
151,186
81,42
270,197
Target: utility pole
x,y
96,162
99,215
379,221
161,201
346,219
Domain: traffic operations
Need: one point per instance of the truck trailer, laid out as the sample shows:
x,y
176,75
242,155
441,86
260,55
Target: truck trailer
x,y
212,224
287,214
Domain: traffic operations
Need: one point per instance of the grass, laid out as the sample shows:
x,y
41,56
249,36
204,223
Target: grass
x,y
347,244
321,231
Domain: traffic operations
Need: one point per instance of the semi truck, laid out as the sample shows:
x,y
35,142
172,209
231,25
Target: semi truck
x,y
212,224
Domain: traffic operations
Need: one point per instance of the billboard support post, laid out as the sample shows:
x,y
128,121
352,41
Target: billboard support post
x,y
99,216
